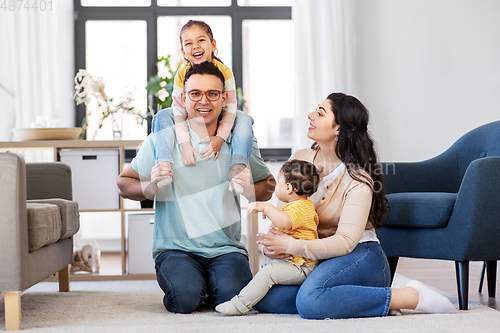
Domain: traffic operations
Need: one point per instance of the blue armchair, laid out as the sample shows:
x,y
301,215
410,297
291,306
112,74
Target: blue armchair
x,y
448,207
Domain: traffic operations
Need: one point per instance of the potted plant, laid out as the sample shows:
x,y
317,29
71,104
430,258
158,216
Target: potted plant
x,y
161,85
90,91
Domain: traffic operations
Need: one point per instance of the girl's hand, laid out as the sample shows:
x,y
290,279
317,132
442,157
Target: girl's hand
x,y
213,148
275,243
189,154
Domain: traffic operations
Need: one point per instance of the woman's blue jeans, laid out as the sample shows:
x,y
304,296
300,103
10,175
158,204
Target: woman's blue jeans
x,y
350,286
188,280
164,137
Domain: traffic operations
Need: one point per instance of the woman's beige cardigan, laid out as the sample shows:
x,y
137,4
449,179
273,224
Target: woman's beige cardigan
x,y
343,216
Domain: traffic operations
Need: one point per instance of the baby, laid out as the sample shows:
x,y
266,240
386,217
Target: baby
x,y
297,180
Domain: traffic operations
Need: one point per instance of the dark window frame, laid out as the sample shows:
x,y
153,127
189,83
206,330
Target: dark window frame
x,y
151,13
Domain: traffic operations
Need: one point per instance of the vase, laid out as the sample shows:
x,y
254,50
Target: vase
x,y
117,125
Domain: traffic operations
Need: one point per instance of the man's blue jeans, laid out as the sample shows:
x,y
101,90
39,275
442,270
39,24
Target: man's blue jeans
x,y
350,286
188,280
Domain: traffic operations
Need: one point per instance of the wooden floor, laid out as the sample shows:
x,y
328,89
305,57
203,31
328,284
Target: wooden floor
x,y
441,274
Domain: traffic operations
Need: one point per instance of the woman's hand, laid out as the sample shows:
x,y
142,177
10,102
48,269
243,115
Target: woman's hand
x,y
275,244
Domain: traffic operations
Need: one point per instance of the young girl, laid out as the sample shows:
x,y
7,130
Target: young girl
x,y
197,46
297,180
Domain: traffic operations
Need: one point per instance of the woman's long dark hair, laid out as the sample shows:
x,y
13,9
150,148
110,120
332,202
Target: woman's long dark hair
x,y
355,148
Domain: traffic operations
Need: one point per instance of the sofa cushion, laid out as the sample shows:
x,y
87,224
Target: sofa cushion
x,y
44,225
420,209
70,220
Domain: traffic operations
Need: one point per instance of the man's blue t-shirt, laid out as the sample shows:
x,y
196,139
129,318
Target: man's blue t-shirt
x,y
197,213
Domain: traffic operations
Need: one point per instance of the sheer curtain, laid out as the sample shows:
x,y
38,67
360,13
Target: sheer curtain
x,y
36,66
323,51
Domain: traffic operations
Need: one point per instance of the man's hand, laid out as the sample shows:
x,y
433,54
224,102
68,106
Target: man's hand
x,y
264,189
213,148
243,177
162,169
159,172
189,154
135,187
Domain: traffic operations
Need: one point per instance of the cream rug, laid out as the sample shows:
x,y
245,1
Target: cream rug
x,y
136,306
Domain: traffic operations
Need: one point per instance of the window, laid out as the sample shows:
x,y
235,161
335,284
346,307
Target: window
x,y
192,3
122,39
169,43
269,87
115,3
116,50
265,2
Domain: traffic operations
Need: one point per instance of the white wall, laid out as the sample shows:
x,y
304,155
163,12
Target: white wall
x,y
428,71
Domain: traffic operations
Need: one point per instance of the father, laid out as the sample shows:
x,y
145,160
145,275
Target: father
x,y
197,249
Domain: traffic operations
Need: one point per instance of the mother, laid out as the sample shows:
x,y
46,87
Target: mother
x,y
353,278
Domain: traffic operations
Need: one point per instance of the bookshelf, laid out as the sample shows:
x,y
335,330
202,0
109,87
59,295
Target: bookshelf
x,y
124,148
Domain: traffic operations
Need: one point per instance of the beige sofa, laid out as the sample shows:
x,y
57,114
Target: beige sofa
x,y
37,222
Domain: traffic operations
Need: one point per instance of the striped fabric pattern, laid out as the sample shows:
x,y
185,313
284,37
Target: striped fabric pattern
x,y
305,221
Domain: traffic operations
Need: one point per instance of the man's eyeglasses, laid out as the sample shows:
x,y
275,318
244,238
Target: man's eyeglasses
x,y
197,95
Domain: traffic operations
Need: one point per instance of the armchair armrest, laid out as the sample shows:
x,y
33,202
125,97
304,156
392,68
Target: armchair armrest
x,y
476,215
48,180
13,220
438,174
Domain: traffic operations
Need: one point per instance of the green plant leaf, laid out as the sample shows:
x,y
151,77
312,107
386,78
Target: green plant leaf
x,y
158,84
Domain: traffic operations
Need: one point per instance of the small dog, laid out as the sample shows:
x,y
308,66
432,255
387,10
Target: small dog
x,y
86,260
